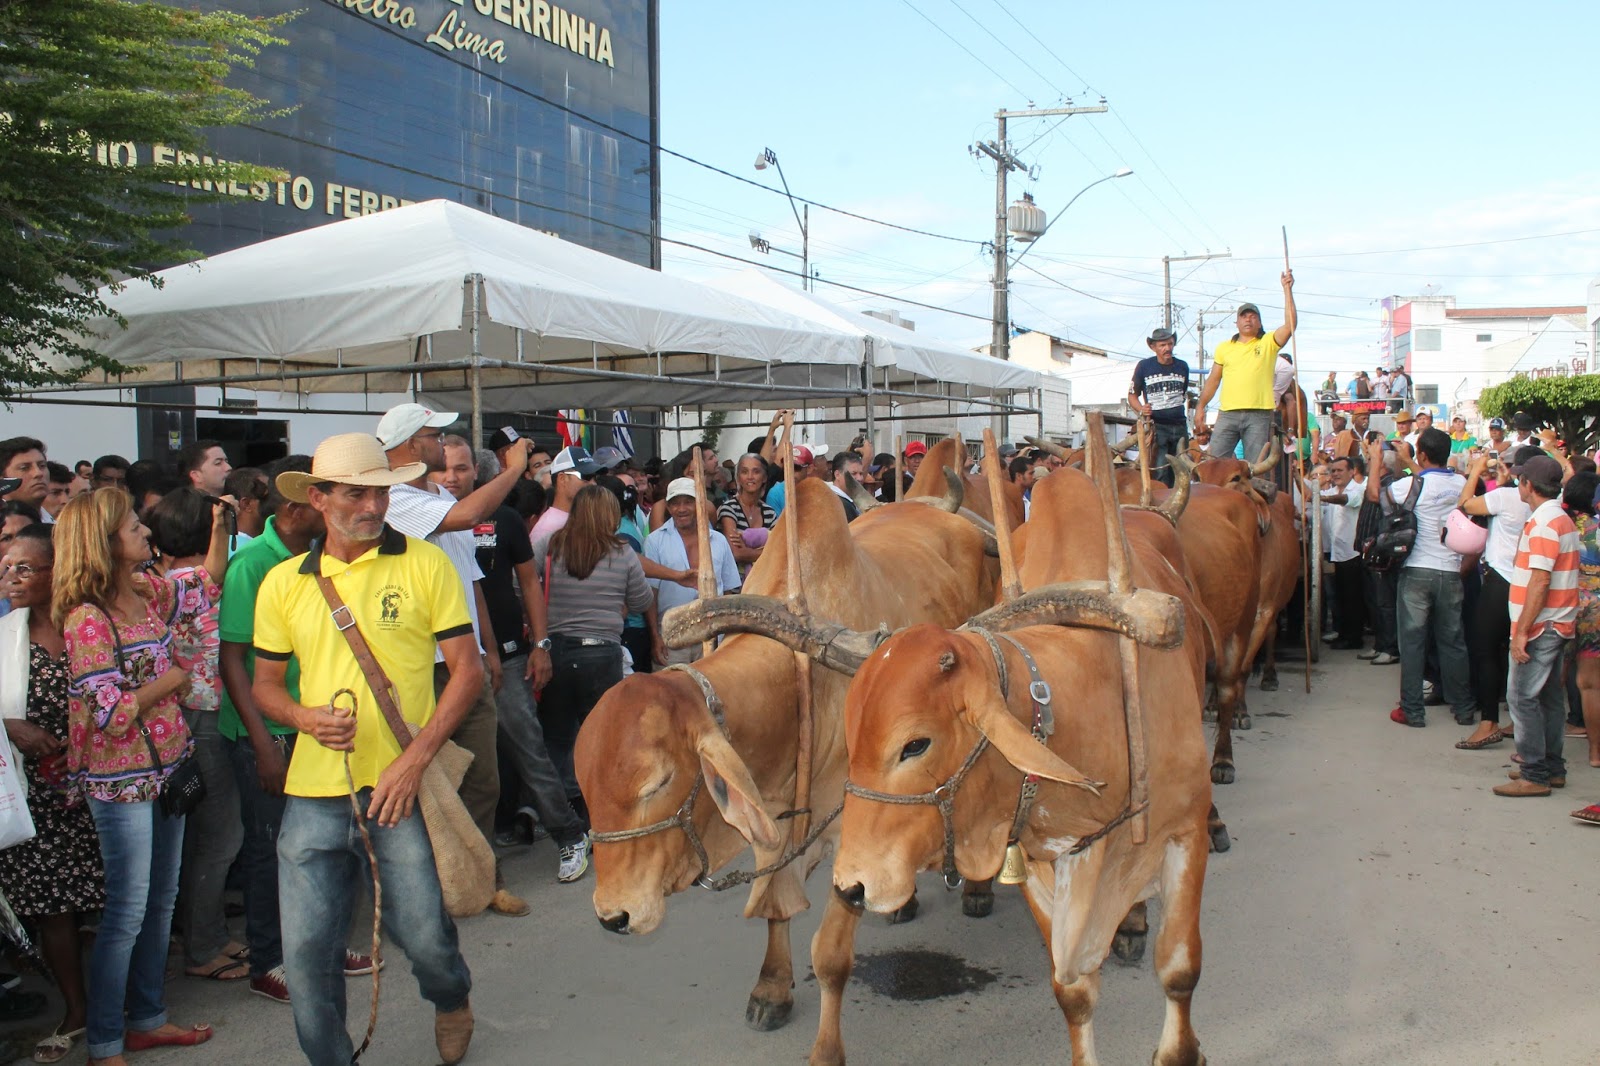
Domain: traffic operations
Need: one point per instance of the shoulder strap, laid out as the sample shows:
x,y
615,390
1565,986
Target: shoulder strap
x,y
1415,493
377,680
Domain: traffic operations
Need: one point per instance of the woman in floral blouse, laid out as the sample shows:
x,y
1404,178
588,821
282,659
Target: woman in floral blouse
x,y
180,529
116,621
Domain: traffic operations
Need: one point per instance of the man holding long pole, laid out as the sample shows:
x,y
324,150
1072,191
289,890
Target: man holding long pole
x,y
1243,367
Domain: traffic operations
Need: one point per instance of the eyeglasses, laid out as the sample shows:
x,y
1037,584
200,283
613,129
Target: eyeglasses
x,y
24,570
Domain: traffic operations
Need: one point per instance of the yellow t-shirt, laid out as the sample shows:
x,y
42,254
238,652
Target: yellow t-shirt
x,y
406,596
1247,372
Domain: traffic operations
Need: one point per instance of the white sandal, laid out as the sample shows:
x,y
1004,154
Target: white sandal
x,y
55,1047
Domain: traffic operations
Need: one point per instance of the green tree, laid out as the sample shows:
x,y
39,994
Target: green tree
x,y
1570,404
76,76
711,431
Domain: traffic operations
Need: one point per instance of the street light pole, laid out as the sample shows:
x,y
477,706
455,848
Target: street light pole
x,y
802,215
1124,172
1005,162
1166,272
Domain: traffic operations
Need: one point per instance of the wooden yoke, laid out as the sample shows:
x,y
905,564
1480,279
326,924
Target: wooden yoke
x,y
706,576
1119,576
1010,583
802,662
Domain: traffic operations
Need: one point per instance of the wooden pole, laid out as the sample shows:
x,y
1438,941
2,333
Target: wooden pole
x,y
706,574
1010,583
1308,512
1146,438
899,467
802,663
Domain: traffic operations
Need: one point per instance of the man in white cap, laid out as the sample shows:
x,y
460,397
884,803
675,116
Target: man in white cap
x,y
403,598
410,434
569,470
676,547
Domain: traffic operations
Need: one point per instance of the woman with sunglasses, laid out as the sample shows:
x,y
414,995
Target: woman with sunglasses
x,y
126,738
57,876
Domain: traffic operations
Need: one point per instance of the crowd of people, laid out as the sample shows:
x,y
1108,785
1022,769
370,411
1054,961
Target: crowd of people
x,y
179,658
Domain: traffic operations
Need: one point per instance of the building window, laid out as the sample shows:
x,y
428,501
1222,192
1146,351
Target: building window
x,y
1425,340
1485,338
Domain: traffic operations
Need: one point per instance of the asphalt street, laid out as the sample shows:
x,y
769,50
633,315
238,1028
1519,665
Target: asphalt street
x,y
1379,905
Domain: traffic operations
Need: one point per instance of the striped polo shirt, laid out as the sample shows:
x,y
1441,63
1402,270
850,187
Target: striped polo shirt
x,y
1549,542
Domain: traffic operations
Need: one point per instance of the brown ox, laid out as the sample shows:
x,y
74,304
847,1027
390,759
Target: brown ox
x,y
651,737
927,705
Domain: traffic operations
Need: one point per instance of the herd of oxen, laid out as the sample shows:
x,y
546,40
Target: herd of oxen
x,y
939,683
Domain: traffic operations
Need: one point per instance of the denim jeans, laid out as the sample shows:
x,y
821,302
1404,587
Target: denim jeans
x,y
1429,608
1537,699
1164,441
211,840
581,674
142,849
522,742
258,855
322,868
1253,427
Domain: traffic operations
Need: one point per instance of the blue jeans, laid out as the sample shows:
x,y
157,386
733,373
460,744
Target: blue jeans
x,y
258,855
1429,608
1165,439
1537,699
522,742
142,849
322,868
580,675
1253,427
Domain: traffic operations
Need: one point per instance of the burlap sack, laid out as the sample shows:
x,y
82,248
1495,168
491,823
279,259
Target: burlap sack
x,y
465,860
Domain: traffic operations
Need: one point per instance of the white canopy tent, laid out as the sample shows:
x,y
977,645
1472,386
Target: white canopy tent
x,y
446,302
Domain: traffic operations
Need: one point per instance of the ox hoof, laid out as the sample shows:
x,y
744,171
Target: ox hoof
x,y
1241,721
1197,1060
1219,839
1209,714
1129,947
1269,684
907,911
764,1015
978,904
1222,773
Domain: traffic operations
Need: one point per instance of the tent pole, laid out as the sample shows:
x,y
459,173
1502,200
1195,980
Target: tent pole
x,y
872,425
476,370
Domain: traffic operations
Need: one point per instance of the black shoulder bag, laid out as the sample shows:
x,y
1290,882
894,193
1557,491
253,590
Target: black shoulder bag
x,y
181,791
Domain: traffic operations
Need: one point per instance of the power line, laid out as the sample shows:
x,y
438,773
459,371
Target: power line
x,y
1056,281
956,4
1422,248
976,58
337,5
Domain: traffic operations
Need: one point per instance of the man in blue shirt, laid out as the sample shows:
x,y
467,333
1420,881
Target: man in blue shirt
x,y
1163,383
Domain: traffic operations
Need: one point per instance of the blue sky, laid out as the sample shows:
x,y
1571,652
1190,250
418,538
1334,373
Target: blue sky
x,y
1367,129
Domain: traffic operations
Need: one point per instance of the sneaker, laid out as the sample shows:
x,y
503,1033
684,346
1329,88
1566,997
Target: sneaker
x,y
356,965
1385,659
529,818
1373,654
8,981
574,860
515,835
272,985
1398,717
1431,696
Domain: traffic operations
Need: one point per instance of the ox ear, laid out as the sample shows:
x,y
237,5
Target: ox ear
x,y
734,790
985,710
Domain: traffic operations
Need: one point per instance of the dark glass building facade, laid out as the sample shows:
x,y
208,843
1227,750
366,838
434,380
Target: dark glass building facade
x,y
543,114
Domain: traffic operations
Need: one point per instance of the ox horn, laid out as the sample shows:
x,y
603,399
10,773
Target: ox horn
x,y
859,496
1182,480
834,646
1154,619
955,493
1049,447
1269,458
1125,445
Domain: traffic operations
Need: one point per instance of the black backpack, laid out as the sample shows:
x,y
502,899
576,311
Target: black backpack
x,y
1390,531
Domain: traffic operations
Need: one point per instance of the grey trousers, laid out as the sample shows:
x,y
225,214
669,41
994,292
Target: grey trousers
x,y
211,839
1537,699
1253,427
522,741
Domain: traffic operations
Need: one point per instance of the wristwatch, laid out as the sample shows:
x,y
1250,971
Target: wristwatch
x,y
542,645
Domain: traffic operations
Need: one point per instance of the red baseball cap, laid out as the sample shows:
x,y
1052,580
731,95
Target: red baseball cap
x,y
916,447
802,455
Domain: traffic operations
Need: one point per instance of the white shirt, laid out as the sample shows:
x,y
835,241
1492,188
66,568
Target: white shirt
x,y
665,546
1440,491
419,513
1340,522
1507,515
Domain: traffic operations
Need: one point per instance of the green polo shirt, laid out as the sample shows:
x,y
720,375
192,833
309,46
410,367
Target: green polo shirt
x,y
236,620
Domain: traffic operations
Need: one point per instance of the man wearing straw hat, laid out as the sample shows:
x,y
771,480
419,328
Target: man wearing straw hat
x,y
404,598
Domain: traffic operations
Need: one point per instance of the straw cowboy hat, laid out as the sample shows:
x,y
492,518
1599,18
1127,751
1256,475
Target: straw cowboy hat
x,y
348,459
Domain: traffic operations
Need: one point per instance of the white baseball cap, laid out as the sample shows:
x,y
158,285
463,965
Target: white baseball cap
x,y
399,424
682,486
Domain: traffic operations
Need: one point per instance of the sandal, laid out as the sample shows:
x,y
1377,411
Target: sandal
x,y
134,1040
1590,814
221,968
242,955
1474,745
54,1047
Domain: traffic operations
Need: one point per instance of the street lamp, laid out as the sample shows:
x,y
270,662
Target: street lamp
x,y
1124,172
802,216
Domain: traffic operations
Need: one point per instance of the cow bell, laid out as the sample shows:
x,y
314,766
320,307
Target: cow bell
x,y
1014,871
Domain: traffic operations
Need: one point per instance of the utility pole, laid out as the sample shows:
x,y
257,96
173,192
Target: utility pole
x,y
1166,275
1005,162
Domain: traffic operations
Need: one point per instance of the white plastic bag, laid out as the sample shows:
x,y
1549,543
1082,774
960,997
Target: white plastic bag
x,y
16,824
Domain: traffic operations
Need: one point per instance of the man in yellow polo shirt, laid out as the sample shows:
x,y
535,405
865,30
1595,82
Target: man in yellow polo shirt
x,y
1243,367
405,598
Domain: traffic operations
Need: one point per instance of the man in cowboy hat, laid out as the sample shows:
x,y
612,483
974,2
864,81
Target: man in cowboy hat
x,y
1244,368
1159,392
404,598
